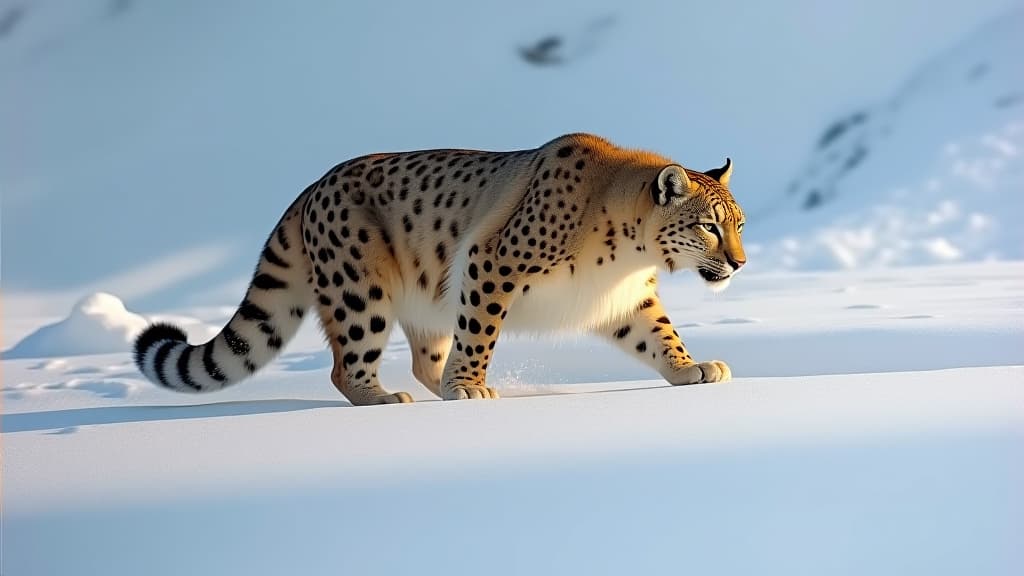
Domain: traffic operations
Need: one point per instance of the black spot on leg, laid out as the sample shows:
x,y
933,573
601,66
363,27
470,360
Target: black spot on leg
x,y
350,271
353,301
377,324
641,347
494,308
349,359
371,356
375,293
622,332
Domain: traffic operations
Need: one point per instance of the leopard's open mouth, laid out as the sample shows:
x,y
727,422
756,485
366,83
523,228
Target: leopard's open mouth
x,y
710,276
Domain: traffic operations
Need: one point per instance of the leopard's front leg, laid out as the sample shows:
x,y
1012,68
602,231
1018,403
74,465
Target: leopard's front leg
x,y
487,291
648,335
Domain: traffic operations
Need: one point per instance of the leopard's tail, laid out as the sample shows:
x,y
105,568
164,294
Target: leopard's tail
x,y
269,316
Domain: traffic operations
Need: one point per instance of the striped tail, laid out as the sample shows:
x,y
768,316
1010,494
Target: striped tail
x,y
267,319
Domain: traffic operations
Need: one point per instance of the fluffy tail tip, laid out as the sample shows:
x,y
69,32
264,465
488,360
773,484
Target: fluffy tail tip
x,y
153,334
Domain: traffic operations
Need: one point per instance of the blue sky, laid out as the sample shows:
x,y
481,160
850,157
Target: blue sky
x,y
182,127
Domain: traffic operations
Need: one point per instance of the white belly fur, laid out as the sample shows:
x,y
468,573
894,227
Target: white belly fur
x,y
558,302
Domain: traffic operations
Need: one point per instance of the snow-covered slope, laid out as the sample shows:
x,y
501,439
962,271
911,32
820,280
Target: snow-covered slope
x,y
588,465
187,127
933,173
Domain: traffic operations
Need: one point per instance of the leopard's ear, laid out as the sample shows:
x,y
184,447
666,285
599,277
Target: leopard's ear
x,y
671,184
722,174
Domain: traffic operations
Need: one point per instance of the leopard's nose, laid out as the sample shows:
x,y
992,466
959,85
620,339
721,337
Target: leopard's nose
x,y
736,264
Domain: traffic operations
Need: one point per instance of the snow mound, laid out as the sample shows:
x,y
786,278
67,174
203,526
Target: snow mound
x,y
98,324
931,175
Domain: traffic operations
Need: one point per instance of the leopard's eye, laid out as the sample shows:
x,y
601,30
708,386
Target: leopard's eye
x,y
739,228
709,227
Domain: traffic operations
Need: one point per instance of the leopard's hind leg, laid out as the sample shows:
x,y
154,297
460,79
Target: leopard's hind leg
x,y
353,276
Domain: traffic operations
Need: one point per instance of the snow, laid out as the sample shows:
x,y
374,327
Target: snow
x,y
876,422
875,426
186,152
931,174
97,324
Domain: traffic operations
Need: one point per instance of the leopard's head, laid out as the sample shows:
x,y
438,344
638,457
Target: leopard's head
x,y
695,223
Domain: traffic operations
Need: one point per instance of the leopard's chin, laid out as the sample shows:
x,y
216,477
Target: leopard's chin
x,y
715,282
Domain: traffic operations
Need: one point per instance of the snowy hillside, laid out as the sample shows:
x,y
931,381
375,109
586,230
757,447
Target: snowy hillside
x,y
934,173
903,460
187,127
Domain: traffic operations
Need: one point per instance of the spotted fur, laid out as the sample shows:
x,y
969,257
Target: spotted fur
x,y
456,246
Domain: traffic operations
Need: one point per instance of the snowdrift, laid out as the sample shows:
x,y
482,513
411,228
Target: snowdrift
x,y
98,324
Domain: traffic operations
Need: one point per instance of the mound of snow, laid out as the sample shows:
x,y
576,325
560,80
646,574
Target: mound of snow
x,y
98,324
933,174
